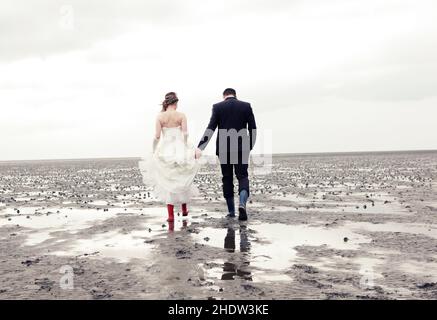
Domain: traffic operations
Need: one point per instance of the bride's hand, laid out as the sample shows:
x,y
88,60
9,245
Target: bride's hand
x,y
197,153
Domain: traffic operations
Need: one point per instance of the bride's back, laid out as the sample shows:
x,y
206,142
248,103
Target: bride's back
x,y
171,119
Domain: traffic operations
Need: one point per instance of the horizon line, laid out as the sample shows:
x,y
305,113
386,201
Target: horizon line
x,y
272,154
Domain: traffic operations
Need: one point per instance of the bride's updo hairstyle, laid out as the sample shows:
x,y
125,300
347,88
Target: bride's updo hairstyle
x,y
170,98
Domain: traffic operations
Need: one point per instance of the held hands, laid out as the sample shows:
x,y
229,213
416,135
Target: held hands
x,y
197,153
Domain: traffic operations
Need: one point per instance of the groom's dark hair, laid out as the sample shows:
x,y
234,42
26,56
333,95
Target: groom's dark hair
x,y
229,91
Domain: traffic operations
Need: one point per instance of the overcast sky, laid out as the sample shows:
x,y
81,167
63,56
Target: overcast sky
x,y
84,78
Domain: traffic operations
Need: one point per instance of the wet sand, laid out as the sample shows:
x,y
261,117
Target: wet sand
x,y
345,226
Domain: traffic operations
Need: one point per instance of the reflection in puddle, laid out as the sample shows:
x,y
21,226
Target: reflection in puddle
x,y
237,268
232,270
272,251
240,266
264,251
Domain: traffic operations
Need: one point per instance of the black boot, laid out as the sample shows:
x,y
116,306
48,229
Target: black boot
x,y
242,207
231,207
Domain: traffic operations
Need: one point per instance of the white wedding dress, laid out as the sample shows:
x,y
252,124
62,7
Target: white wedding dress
x,y
171,168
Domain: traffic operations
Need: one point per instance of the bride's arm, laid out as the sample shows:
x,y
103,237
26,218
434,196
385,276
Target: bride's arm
x,y
158,129
184,127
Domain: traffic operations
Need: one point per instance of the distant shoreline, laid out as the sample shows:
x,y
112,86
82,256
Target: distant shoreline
x,y
351,153
275,155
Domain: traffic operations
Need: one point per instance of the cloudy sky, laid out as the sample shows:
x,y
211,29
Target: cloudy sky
x,y
84,78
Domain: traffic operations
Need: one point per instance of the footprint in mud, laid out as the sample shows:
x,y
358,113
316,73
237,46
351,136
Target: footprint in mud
x,y
305,268
428,286
252,289
183,254
99,294
44,284
30,262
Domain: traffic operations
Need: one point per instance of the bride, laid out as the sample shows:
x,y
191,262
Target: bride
x,y
171,169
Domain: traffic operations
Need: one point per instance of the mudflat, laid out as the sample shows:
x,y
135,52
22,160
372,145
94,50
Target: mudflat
x,y
328,226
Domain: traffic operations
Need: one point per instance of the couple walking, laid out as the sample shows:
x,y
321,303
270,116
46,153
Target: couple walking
x,y
175,161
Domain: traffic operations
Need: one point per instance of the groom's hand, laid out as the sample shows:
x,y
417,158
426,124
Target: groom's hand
x,y
197,153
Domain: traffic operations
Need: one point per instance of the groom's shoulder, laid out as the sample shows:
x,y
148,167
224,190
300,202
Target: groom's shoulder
x,y
218,105
244,102
233,101
242,105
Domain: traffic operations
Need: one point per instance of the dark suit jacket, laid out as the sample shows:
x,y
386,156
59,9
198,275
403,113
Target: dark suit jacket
x,y
227,115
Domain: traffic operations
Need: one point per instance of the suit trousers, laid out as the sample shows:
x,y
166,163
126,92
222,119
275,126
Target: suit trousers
x,y
240,168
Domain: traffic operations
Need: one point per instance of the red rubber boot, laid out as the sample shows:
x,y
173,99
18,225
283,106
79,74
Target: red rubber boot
x,y
170,209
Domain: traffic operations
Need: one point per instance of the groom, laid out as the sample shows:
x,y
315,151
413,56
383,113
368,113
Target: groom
x,y
235,139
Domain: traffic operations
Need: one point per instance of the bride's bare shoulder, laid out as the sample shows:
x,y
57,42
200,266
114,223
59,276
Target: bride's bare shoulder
x,y
181,114
160,117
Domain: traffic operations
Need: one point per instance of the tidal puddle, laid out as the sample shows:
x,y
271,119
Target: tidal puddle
x,y
99,203
122,204
355,203
10,211
294,198
367,267
144,197
294,207
156,217
427,270
43,223
276,242
57,218
233,270
22,199
393,208
267,250
114,245
432,204
427,230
